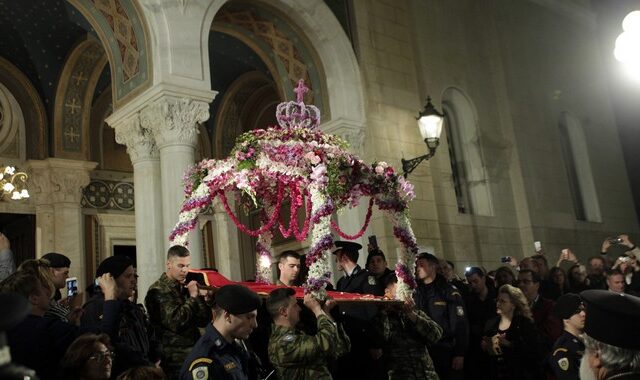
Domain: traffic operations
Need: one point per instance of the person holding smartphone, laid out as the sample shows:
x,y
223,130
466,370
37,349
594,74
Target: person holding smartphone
x,y
65,309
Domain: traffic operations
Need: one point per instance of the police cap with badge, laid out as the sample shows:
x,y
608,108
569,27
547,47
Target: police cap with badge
x,y
568,305
237,299
612,318
347,246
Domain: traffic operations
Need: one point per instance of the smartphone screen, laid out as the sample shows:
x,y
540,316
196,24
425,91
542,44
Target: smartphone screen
x,y
373,241
72,286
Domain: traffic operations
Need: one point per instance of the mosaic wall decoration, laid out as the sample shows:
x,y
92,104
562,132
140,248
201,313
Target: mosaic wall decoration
x,y
110,195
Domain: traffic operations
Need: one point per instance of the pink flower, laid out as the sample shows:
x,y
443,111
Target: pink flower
x,y
313,158
319,174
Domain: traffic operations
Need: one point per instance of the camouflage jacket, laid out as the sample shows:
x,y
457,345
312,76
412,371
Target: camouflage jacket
x,y
405,344
298,356
175,318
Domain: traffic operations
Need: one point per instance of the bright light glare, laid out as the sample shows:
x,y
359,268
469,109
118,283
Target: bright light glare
x,y
265,261
627,49
631,22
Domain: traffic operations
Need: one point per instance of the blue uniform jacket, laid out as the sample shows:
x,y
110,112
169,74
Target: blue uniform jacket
x,y
214,358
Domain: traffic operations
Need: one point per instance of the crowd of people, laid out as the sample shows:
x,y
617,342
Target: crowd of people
x,y
523,320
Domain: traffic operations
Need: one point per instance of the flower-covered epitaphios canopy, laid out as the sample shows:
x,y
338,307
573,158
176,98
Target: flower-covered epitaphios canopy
x,y
295,162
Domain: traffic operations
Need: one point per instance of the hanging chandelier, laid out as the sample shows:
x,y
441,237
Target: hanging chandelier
x,y
13,183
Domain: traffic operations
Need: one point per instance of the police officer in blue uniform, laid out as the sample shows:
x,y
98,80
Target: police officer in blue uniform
x,y
568,349
363,361
220,353
443,303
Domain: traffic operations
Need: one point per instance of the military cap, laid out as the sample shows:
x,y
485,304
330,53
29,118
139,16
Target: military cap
x,y
612,318
116,265
567,305
57,260
237,299
427,256
347,246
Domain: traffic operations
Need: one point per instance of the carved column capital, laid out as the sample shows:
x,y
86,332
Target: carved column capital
x,y
352,132
140,142
56,180
173,120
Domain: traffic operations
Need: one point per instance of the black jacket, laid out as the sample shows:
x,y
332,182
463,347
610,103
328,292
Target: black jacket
x,y
443,303
134,341
40,343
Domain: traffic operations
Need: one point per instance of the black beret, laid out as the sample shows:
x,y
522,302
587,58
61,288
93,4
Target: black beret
x,y
612,318
567,305
427,256
347,246
237,299
57,260
116,265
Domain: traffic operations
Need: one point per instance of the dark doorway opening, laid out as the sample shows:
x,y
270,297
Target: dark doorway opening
x,y
20,229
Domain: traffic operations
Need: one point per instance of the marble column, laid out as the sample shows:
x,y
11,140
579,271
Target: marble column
x,y
150,236
173,121
56,186
226,245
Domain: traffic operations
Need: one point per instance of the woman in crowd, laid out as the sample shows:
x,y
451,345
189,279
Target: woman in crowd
x,y
90,357
504,275
511,339
578,280
559,283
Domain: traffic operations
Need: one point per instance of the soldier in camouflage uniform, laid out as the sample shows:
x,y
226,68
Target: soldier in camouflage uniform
x,y
294,354
406,333
176,311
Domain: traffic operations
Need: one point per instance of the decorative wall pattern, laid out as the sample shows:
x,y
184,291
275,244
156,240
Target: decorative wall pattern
x,y
121,28
125,36
105,194
284,48
72,112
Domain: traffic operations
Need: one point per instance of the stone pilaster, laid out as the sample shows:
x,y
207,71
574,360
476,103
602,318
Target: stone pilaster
x,y
150,237
56,187
226,249
173,121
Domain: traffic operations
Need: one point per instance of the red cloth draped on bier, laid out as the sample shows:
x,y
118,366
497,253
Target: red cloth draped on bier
x,y
213,279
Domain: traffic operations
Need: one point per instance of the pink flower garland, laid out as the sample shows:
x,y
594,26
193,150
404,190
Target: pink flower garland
x,y
367,219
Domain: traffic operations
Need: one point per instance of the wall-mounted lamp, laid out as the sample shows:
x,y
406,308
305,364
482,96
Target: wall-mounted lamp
x,y
13,183
430,124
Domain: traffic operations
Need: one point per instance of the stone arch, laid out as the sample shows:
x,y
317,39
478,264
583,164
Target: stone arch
x,y
123,31
12,126
336,62
31,106
74,94
243,107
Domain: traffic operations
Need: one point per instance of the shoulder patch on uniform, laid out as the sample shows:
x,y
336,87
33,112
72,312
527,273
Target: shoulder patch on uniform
x,y
563,364
456,293
460,311
371,280
230,366
440,303
198,361
200,373
288,338
559,350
